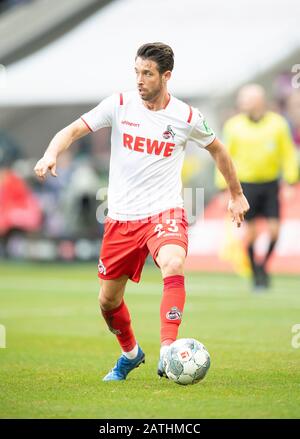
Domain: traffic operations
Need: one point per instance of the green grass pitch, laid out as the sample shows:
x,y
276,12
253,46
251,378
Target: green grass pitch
x,y
58,347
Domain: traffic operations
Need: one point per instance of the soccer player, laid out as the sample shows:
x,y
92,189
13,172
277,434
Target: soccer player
x,y
150,129
262,150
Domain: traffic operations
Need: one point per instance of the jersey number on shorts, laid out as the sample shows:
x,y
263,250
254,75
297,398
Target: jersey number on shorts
x,y
159,228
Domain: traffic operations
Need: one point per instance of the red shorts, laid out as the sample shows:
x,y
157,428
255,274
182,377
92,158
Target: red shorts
x,y
126,244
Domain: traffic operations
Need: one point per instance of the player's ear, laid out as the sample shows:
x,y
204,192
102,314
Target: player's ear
x,y
167,75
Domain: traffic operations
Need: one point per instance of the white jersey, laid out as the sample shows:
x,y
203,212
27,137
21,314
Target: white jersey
x,y
147,152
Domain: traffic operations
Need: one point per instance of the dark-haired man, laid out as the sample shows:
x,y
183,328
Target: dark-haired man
x,y
150,129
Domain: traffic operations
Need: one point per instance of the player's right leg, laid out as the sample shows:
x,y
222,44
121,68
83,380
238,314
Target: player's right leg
x,y
251,235
120,260
252,192
273,228
271,213
117,317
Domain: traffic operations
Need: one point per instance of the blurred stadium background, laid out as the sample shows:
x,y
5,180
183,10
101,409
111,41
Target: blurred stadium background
x,y
58,62
58,59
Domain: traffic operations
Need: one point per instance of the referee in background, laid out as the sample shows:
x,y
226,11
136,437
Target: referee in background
x,y
262,150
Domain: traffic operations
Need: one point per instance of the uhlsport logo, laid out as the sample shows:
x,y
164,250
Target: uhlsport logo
x,y
101,268
168,133
174,314
131,124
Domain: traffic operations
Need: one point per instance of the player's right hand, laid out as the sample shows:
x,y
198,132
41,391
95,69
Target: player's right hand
x,y
238,206
44,165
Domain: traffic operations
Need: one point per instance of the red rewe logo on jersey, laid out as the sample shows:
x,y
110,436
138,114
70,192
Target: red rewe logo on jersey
x,y
142,144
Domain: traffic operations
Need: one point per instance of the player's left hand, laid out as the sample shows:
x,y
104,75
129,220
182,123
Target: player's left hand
x,y
238,206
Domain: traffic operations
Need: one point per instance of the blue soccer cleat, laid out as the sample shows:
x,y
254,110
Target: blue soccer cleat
x,y
124,366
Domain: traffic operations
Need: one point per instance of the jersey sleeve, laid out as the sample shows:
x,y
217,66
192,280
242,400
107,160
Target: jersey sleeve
x,y
100,116
201,133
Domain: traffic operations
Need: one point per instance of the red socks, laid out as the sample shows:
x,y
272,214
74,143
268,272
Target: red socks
x,y
119,323
171,308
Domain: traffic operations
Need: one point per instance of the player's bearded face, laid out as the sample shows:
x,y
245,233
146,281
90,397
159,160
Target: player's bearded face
x,y
149,80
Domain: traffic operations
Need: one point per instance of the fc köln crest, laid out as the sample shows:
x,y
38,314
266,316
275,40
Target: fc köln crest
x,y
101,267
168,133
174,314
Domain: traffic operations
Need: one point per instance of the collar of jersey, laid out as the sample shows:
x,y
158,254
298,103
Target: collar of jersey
x,y
156,111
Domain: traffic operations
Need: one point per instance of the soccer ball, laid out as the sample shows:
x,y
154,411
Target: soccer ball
x,y
187,361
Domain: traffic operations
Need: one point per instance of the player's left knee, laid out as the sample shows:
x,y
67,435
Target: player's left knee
x,y
173,265
274,231
274,237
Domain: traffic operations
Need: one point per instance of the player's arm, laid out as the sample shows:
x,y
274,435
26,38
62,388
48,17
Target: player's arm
x,y
60,142
238,204
228,141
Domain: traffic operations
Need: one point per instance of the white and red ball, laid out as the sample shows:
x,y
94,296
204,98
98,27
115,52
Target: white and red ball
x,y
187,361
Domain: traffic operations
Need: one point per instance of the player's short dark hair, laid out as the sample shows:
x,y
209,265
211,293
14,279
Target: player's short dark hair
x,y
161,53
